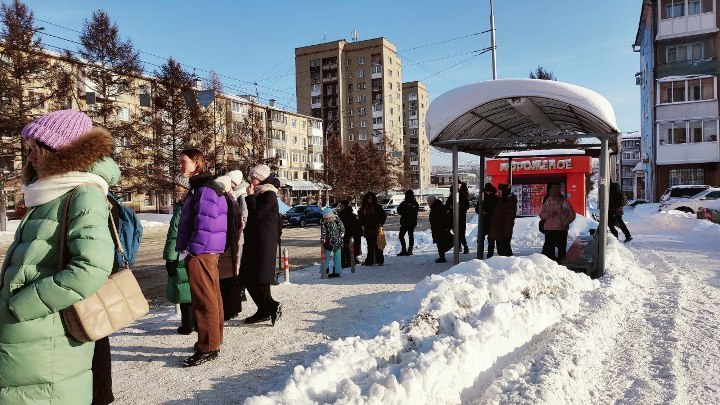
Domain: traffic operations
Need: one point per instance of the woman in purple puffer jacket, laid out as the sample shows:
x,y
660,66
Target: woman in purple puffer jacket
x,y
201,234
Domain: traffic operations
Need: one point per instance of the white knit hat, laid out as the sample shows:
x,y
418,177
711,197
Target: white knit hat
x,y
224,181
236,176
260,172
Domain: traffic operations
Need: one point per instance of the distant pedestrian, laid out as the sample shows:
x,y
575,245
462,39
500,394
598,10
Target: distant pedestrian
x,y
257,268
229,261
616,208
331,236
372,217
503,220
68,163
440,227
201,238
408,211
558,214
353,230
177,290
489,200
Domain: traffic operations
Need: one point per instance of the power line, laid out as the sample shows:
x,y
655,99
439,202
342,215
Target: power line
x,y
447,40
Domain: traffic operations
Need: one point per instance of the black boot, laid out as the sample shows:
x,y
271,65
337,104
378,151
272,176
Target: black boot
x,y
466,250
187,326
276,311
200,357
440,259
259,316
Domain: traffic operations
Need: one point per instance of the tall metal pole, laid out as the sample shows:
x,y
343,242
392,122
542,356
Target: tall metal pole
x,y
455,207
481,203
492,40
603,196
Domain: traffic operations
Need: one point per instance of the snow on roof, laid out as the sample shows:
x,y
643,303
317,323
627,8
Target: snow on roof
x,y
494,115
548,152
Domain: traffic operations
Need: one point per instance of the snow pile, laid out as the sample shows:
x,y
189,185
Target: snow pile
x,y
455,327
154,220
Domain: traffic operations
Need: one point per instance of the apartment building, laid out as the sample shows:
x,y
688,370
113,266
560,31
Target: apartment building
x,y
415,105
678,45
356,89
627,165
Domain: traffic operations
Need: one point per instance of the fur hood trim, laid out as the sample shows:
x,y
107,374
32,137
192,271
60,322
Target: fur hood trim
x,y
265,187
78,156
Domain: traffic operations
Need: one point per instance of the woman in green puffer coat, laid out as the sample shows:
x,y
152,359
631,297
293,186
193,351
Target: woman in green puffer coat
x,y
39,361
177,290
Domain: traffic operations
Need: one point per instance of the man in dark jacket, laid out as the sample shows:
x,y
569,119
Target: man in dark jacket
x,y
440,227
489,199
372,216
503,220
257,266
408,211
352,230
615,214
464,206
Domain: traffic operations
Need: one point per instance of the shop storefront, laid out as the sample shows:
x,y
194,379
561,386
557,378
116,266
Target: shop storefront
x,y
530,177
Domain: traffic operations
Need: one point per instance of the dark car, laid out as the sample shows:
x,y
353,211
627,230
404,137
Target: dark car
x,y
301,215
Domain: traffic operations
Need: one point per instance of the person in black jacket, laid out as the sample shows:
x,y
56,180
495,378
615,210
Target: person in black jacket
x,y
372,217
408,211
257,266
489,200
615,214
440,227
353,230
464,206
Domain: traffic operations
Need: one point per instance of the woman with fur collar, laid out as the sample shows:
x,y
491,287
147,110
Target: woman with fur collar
x,y
201,234
257,268
39,361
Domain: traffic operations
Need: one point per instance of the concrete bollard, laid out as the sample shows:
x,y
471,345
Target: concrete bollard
x,y
286,265
322,262
352,255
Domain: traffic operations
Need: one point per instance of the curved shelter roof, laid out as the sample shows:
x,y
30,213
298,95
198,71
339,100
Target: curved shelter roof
x,y
490,117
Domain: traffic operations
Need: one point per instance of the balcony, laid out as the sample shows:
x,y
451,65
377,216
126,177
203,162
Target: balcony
x,y
376,72
413,97
329,79
316,105
701,152
315,93
378,126
707,66
330,66
315,166
376,88
686,25
377,139
414,163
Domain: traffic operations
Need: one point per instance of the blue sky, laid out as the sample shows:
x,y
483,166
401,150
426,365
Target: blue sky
x,y
584,42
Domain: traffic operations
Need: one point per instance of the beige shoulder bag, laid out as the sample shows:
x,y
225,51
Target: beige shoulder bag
x,y
117,304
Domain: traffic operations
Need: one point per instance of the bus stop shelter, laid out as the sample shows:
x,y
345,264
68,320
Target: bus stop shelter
x,y
488,118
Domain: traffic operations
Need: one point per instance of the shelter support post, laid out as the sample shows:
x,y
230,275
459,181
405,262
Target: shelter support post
x,y
455,207
481,203
603,194
509,182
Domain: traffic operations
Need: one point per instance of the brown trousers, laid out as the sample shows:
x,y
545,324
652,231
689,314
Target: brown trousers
x,y
206,300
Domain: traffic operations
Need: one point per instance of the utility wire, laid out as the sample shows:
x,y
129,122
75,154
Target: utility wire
x,y
445,41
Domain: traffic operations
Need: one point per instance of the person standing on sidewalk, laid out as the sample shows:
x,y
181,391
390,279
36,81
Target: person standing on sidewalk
x,y
257,268
408,211
503,220
201,238
68,162
331,236
372,216
558,215
489,200
353,230
178,285
615,211
440,227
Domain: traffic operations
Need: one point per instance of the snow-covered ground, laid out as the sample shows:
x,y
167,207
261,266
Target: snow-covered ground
x,y
503,330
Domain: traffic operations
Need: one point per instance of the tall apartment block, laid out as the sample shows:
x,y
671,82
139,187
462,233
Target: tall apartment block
x,y
415,105
356,88
678,45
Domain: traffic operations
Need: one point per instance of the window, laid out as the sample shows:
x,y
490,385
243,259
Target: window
x,y
363,136
348,62
293,122
684,52
349,87
361,73
315,63
672,92
673,9
316,100
352,125
378,120
363,124
236,107
315,87
351,136
361,111
389,60
377,69
350,100
294,140
687,90
302,124
123,114
361,60
362,85
361,99
699,6
390,85
686,176
389,73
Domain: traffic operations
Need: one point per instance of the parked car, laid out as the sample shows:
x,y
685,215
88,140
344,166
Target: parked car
x,y
710,210
636,202
687,198
391,209
301,215
424,207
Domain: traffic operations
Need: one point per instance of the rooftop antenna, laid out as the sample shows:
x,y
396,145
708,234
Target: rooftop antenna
x,y
354,35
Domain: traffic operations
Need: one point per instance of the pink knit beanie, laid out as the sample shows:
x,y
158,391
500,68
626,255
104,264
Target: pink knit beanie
x,y
58,128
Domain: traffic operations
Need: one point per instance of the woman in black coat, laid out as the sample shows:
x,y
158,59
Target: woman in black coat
x,y
257,266
440,227
372,216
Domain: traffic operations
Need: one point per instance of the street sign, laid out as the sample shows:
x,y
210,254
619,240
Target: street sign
x,y
205,97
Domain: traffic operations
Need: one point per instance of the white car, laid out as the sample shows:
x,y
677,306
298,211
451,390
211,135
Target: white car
x,y
391,209
687,198
710,210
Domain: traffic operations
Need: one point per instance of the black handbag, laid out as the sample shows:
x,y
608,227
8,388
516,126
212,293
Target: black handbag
x,y
541,226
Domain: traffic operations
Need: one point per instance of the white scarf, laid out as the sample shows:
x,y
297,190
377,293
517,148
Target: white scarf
x,y
49,188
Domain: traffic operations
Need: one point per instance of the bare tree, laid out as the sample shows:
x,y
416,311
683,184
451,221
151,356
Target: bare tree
x,y
248,140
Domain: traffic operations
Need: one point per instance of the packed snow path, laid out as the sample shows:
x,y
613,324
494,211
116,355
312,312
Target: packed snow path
x,y
506,330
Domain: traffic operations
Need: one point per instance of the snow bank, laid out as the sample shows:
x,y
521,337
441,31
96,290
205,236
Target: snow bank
x,y
454,327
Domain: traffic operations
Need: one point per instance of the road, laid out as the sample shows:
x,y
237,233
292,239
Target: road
x,y
303,246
